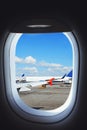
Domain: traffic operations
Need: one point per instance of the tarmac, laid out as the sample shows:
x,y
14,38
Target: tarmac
x,y
47,98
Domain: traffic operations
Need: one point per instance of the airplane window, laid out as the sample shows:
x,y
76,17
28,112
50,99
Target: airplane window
x,y
43,65
41,74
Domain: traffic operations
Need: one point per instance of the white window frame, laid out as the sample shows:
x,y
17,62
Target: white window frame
x,y
47,116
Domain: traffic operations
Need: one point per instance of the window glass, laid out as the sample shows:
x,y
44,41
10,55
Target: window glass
x,y
44,68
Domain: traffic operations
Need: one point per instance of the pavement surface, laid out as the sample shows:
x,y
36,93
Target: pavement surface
x,y
47,98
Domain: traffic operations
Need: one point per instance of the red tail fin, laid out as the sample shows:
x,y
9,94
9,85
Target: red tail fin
x,y
50,81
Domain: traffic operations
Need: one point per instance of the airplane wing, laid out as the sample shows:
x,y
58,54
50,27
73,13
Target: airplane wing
x,y
28,86
35,84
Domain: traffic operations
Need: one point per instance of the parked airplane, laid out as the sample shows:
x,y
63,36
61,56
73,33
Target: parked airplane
x,y
41,82
67,78
59,79
28,85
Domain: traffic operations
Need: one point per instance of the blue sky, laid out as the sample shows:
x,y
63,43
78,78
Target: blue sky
x,y
43,54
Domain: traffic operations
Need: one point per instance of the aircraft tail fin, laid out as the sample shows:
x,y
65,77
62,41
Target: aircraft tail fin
x,y
63,76
69,74
22,75
50,81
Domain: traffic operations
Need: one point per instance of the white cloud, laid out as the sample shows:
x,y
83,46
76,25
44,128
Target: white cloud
x,y
26,60
31,69
46,64
18,60
43,68
30,60
59,70
66,69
